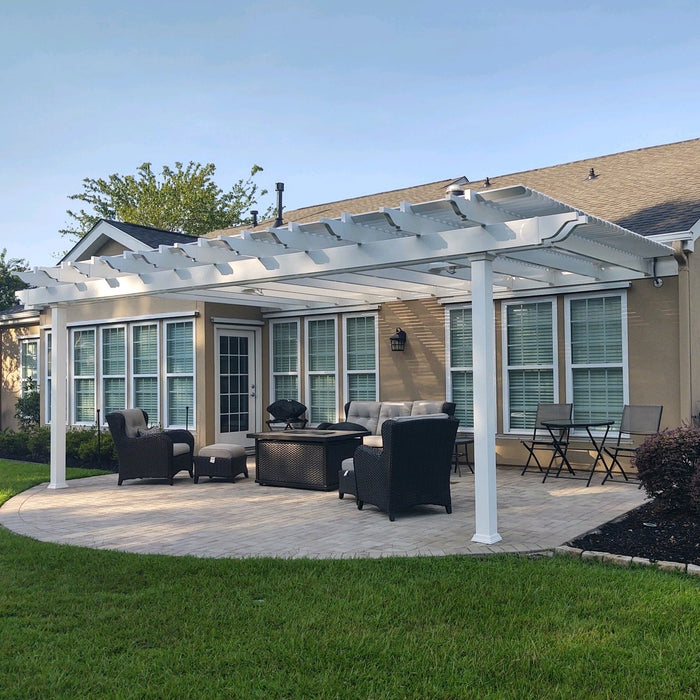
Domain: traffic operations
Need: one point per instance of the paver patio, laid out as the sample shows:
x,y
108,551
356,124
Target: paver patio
x,y
244,519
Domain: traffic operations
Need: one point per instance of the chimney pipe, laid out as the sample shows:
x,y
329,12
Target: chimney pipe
x,y
279,186
254,214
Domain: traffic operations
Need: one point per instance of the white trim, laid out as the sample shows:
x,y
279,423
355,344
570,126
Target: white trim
x,y
505,366
144,318
346,390
307,372
235,321
323,312
271,354
551,291
624,339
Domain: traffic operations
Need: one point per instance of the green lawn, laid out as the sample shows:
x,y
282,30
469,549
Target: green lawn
x,y
81,623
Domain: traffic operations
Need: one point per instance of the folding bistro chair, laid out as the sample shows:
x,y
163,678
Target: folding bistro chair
x,y
542,438
639,421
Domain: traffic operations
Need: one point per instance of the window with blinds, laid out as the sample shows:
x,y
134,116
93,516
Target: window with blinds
x,y
145,369
461,377
28,365
179,363
529,357
113,369
321,370
285,360
361,358
84,376
597,351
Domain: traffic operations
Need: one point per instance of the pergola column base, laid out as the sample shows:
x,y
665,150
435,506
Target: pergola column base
x,y
486,539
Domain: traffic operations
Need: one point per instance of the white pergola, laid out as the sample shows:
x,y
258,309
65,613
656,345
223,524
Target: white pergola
x,y
468,245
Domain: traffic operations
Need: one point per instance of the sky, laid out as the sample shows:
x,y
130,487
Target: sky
x,y
334,99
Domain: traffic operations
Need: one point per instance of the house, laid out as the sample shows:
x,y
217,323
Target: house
x,y
573,283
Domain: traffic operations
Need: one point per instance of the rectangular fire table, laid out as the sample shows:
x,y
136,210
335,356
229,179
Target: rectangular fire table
x,y
303,459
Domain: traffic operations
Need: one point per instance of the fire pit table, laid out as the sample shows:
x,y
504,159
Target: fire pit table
x,y
303,459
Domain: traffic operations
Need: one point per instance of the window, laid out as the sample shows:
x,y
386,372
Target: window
x,y
597,349
529,352
145,369
28,365
461,378
84,376
321,370
179,363
360,358
285,360
47,405
113,369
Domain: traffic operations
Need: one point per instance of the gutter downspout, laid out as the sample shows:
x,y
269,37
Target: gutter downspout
x,y
685,335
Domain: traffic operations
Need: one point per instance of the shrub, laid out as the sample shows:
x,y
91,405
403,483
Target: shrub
x,y
669,468
27,406
34,445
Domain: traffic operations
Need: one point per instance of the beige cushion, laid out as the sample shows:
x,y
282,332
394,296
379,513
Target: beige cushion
x,y
347,464
222,450
372,441
133,422
422,408
364,413
392,409
180,448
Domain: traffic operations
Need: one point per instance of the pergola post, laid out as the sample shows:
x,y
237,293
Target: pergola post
x,y
484,372
59,378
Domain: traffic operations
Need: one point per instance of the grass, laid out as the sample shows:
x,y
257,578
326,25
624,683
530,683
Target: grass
x,y
76,622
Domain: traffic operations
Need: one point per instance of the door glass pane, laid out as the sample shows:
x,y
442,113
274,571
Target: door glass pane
x,y
233,384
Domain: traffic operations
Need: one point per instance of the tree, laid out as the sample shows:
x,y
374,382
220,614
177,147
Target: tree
x,y
183,199
9,283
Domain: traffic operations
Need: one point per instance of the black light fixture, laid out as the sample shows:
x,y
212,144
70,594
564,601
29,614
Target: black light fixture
x,y
398,341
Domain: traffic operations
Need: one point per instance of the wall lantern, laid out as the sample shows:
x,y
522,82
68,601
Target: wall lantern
x,y
398,340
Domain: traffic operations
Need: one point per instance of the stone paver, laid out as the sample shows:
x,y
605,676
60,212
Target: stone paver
x,y
244,519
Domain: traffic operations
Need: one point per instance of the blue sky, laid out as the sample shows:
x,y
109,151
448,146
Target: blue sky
x,y
334,99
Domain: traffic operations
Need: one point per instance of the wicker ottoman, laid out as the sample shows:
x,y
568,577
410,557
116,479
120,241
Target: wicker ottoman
x,y
222,460
346,478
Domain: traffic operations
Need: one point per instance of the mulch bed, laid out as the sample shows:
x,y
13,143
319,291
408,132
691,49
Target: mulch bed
x,y
648,532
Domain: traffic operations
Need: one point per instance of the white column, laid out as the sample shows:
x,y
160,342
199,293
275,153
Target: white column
x,y
484,367
59,380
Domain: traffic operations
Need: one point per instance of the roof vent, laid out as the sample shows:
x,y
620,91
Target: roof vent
x,y
454,190
487,182
591,174
254,214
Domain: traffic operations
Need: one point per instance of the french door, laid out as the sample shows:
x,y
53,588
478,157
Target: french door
x,y
236,385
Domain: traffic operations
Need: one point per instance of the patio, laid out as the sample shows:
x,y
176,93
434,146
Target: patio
x,y
243,519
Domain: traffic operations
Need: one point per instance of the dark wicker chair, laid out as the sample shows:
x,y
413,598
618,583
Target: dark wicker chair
x,y
413,467
148,454
286,414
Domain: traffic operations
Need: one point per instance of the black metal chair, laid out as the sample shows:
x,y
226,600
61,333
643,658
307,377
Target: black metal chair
x,y
412,468
639,422
145,453
541,437
286,414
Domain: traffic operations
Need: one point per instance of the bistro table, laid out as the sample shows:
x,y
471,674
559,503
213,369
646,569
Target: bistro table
x,y
560,431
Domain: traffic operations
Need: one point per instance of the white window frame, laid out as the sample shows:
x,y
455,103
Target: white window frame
x,y
448,354
23,344
103,376
505,367
80,377
624,339
308,373
346,371
133,376
48,340
297,371
165,408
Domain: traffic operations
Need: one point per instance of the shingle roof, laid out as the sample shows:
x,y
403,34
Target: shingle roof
x,y
152,237
648,191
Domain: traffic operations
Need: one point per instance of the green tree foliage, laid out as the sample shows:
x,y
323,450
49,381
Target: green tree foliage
x,y
184,199
9,284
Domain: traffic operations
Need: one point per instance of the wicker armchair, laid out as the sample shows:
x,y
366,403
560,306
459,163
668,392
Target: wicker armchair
x,y
146,454
412,468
